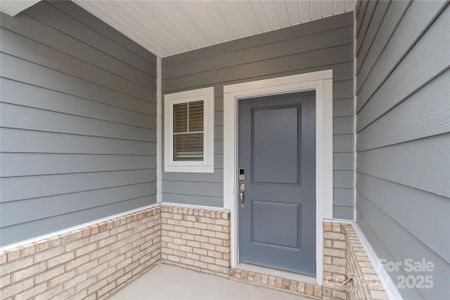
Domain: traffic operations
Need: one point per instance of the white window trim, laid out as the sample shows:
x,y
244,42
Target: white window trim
x,y
207,165
321,83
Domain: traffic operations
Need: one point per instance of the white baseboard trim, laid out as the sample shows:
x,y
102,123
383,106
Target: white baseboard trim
x,y
195,206
383,275
340,221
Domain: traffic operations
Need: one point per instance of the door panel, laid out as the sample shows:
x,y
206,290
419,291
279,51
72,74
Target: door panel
x,y
275,223
275,131
277,152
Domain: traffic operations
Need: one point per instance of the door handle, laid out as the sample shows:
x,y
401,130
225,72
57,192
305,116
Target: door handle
x,y
241,194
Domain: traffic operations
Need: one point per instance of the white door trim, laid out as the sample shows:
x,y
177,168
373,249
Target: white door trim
x,y
321,82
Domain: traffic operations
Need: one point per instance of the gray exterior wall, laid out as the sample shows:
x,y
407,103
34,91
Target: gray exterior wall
x,y
77,121
403,140
318,45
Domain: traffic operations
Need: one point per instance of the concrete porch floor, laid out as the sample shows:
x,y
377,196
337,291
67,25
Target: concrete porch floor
x,y
166,282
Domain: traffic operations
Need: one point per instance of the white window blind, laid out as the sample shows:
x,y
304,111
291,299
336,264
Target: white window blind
x,y
188,131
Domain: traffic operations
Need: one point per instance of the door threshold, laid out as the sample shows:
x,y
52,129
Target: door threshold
x,y
278,273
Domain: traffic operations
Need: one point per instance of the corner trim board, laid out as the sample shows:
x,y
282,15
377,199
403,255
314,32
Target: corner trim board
x,y
158,130
321,82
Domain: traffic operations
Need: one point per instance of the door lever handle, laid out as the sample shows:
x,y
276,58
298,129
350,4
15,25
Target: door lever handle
x,y
241,194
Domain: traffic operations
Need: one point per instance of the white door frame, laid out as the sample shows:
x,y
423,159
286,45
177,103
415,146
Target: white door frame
x,y
321,83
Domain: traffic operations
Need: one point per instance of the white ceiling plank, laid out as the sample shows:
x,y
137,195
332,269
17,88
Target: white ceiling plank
x,y
182,25
159,14
327,8
261,16
202,21
304,10
249,15
316,9
151,23
339,6
13,7
108,15
271,15
281,12
293,12
350,5
234,18
171,27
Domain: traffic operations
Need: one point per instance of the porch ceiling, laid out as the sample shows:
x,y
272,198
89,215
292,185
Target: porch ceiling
x,y
171,27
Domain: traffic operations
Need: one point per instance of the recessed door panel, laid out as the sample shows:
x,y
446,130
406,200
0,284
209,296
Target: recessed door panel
x,y
275,132
276,224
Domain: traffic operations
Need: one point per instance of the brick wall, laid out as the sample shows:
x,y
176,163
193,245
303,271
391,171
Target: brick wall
x,y
96,261
334,261
197,239
90,263
365,283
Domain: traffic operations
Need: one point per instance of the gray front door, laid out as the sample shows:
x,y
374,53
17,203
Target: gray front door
x,y
277,211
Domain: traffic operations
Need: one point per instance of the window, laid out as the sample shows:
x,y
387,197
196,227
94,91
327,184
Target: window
x,y
188,131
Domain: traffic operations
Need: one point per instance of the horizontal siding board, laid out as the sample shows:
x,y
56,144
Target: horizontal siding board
x,y
32,229
27,164
193,199
343,212
343,161
343,89
75,11
193,188
29,50
15,92
343,125
27,27
343,179
327,39
78,124
426,113
24,71
313,59
29,210
293,32
343,107
403,139
48,185
343,143
36,119
393,17
423,164
343,197
370,10
49,15
361,15
401,244
216,177
50,142
367,41
406,206
416,20
420,65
